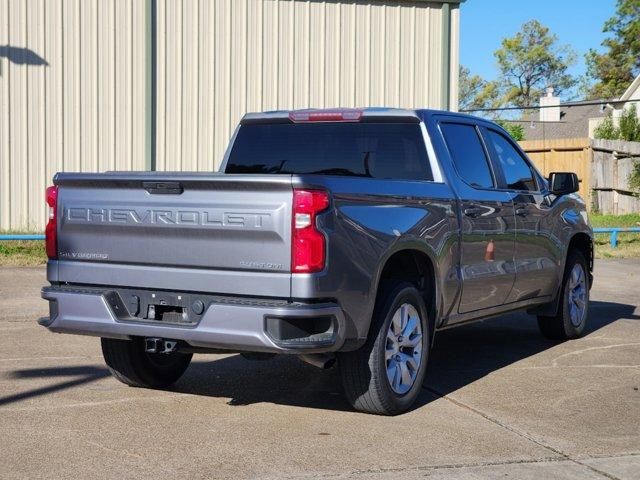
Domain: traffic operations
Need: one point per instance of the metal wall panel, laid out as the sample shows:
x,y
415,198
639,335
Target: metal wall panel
x,y
218,60
5,131
71,96
454,59
72,78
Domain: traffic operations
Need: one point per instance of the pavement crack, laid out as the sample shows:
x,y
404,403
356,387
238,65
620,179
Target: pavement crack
x,y
589,349
427,467
520,433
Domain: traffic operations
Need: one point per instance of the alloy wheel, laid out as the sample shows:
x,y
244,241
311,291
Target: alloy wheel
x,y
403,350
577,295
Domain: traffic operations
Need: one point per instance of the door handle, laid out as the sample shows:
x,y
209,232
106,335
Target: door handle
x,y
523,212
472,211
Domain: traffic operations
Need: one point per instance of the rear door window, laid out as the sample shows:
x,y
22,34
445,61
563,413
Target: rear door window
x,y
377,150
468,154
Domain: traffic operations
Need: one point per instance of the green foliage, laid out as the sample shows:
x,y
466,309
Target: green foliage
x,y
529,62
515,130
22,253
634,178
615,68
474,91
609,220
629,243
606,130
629,125
627,128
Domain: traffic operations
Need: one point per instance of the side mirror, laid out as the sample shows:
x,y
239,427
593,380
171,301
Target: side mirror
x,y
563,183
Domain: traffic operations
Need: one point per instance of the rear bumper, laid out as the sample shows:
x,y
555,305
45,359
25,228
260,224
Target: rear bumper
x,y
224,325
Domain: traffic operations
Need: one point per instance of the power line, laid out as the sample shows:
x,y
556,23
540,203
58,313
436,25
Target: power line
x,y
538,107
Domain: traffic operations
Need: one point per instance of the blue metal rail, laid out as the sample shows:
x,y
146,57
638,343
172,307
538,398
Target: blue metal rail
x,y
614,233
21,237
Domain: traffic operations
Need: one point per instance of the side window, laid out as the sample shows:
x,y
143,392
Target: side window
x,y
517,172
468,154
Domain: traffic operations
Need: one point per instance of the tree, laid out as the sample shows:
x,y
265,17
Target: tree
x,y
615,68
634,178
529,62
626,128
474,91
514,129
606,130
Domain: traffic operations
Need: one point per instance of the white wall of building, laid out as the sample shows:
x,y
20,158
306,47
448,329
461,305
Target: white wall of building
x,y
73,78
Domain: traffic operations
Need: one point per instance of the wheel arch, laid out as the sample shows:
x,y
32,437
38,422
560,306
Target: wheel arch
x,y
582,242
412,263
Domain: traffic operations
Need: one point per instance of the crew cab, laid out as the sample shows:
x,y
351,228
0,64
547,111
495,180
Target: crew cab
x,y
351,235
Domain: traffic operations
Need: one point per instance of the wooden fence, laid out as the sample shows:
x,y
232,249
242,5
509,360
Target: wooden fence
x,y
613,162
603,167
563,155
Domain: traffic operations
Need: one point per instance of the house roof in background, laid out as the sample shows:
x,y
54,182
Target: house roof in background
x,y
574,122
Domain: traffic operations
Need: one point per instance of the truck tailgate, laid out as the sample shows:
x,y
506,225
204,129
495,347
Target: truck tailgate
x,y
165,223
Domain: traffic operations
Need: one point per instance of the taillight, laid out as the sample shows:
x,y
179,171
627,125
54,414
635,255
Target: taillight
x,y
307,242
50,231
340,115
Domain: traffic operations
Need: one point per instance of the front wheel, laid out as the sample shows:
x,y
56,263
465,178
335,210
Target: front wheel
x,y
131,364
385,376
573,311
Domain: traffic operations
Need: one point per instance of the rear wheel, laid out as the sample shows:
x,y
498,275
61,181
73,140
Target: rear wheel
x,y
573,311
385,376
131,364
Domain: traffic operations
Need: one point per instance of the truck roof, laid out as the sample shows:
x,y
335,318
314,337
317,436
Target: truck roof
x,y
337,114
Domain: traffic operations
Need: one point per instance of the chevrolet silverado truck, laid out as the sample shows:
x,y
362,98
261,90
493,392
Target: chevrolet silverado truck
x,y
349,235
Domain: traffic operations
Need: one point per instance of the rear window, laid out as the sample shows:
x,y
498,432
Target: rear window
x,y
378,150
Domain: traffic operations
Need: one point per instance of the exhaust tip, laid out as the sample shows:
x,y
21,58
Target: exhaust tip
x,y
323,361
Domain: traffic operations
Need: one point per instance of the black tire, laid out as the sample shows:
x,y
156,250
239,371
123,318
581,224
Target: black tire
x,y
129,363
560,327
364,373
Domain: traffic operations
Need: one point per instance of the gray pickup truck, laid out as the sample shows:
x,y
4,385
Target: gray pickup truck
x,y
348,235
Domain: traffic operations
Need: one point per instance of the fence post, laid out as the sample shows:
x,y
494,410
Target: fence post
x,y
588,160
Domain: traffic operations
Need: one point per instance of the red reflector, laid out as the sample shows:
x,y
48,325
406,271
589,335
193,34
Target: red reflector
x,y
51,231
343,115
307,242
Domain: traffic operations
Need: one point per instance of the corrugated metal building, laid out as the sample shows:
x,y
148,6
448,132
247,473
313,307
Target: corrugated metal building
x,y
95,85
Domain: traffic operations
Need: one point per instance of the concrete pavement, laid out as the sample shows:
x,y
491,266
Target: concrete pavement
x,y
501,402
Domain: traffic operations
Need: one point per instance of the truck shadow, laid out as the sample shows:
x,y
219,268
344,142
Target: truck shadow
x,y
460,357
466,354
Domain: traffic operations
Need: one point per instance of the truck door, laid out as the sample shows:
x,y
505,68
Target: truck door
x,y
535,248
486,220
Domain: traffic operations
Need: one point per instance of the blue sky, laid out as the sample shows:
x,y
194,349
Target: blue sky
x,y
484,23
